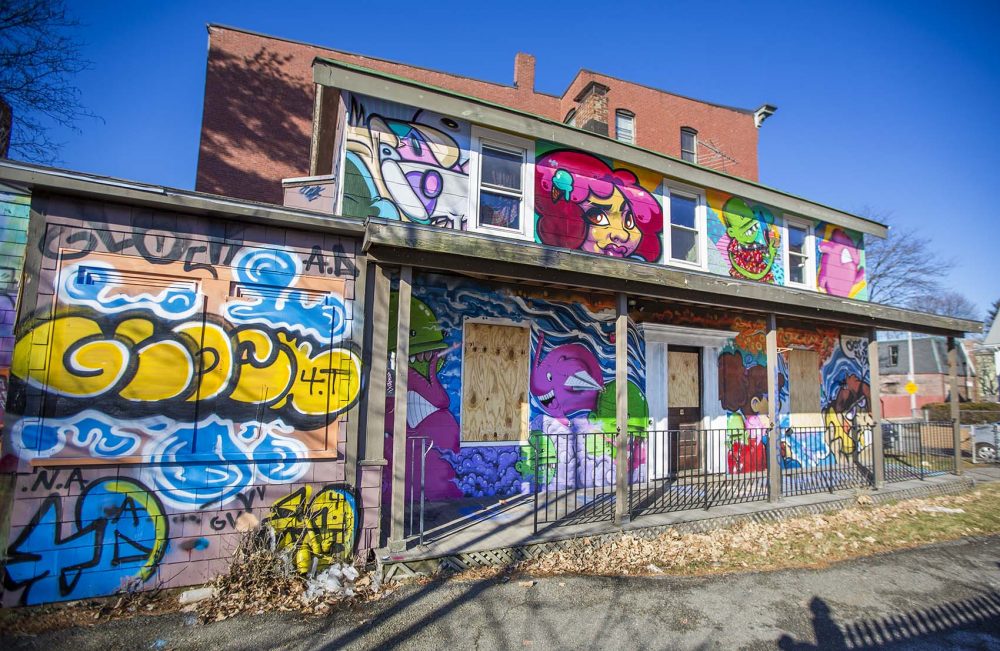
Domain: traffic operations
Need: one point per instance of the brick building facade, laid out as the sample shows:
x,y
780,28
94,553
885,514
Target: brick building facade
x,y
249,145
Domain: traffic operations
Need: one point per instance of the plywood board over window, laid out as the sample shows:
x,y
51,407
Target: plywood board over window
x,y
495,383
684,389
804,387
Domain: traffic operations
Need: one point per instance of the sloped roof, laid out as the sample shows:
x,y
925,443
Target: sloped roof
x,y
993,336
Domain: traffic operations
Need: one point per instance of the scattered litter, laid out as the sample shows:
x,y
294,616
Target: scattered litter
x,y
940,509
526,584
195,595
865,500
262,579
158,645
652,567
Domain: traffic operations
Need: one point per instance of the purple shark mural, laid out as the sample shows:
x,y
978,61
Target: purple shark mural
x,y
567,382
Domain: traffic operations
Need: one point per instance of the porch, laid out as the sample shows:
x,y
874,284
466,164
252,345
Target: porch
x,y
663,411
714,479
505,532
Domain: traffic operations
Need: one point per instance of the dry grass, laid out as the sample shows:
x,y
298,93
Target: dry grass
x,y
801,542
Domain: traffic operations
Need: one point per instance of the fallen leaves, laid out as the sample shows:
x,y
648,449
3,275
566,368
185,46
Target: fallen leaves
x,y
814,539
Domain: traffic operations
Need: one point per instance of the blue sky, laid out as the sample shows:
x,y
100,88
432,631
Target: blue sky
x,y
889,106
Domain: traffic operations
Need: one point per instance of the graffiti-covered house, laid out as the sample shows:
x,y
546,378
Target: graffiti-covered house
x,y
496,319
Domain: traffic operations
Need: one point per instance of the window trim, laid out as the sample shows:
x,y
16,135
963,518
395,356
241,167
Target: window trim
x,y
515,145
623,112
498,321
810,246
701,225
694,133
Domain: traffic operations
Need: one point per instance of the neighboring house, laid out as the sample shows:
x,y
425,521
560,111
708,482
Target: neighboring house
x,y
987,358
260,99
552,312
930,374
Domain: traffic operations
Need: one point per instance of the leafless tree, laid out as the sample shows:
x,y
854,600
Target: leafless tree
x,y
947,303
991,314
38,58
904,267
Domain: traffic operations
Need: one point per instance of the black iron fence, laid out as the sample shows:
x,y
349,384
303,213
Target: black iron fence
x,y
574,478
917,450
681,469
825,459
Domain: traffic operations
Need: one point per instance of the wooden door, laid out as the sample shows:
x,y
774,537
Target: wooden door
x,y
684,390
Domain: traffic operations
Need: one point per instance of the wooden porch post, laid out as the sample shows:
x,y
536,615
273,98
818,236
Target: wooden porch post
x,y
400,387
774,438
375,395
874,385
955,414
621,410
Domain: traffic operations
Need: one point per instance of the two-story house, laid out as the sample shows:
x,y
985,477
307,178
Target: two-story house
x,y
470,311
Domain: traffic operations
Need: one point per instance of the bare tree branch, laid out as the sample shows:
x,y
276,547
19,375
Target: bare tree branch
x,y
37,60
904,267
948,303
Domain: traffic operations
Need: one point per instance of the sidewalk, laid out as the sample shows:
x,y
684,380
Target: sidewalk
x,y
941,596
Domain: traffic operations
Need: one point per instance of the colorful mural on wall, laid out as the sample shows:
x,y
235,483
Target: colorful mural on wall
x,y
571,387
15,208
845,402
167,395
405,164
592,204
841,257
746,240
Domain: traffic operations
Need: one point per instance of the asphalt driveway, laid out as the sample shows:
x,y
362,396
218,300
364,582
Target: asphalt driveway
x,y
940,596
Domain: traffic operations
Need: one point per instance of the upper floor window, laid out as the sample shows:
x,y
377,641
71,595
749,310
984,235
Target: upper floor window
x,y
571,118
502,170
625,126
894,355
799,252
686,227
689,144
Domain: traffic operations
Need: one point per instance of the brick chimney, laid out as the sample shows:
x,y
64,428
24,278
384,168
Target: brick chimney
x,y
592,108
524,72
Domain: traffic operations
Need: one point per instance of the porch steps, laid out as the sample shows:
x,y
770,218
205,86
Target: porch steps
x,y
437,558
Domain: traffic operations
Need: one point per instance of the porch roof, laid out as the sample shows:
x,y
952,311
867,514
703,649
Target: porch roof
x,y
383,85
427,247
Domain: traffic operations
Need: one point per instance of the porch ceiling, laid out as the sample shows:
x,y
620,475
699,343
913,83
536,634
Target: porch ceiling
x,y
426,247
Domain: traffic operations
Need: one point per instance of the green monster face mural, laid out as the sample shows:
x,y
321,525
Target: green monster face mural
x,y
752,246
426,336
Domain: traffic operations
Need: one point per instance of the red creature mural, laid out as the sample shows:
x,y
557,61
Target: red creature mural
x,y
582,203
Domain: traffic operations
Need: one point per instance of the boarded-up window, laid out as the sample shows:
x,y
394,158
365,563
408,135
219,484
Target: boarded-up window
x,y
684,389
495,383
803,380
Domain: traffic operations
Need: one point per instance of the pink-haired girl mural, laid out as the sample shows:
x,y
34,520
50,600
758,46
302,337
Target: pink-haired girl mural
x,y
582,203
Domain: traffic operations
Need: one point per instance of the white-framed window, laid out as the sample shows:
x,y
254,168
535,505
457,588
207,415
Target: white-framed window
x,y
893,355
571,118
799,253
502,192
496,363
684,240
689,144
625,126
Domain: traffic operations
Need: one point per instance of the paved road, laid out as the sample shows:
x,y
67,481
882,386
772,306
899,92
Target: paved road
x,y
935,597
